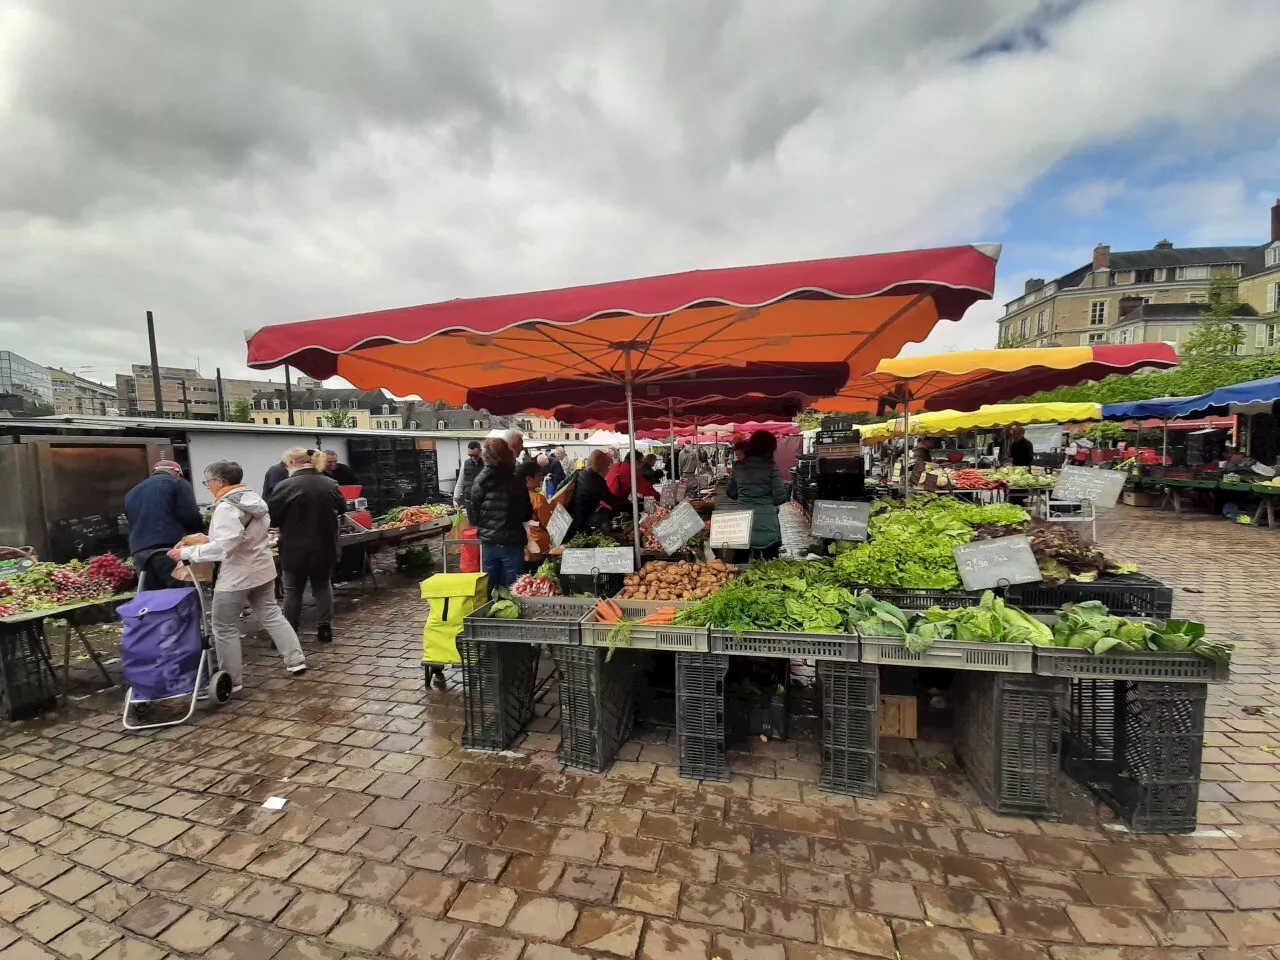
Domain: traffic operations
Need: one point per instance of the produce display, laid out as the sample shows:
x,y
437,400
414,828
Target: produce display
x,y
1021,477
407,516
991,621
683,580
790,596
608,611
590,541
1062,554
910,546
1090,626
542,583
46,586
969,479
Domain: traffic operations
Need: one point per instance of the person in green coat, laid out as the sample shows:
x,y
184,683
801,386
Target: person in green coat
x,y
757,483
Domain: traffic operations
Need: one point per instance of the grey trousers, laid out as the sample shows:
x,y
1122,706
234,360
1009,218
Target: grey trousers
x,y
227,605
295,582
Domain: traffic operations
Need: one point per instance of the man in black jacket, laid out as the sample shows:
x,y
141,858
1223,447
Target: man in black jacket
x,y
306,508
338,471
471,468
161,510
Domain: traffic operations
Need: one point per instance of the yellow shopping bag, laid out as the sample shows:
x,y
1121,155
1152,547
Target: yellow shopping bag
x,y
451,596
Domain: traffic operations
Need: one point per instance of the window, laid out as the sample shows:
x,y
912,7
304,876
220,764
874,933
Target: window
x,y
1097,314
385,409
275,405
1193,273
466,406
351,422
1145,276
1272,255
413,424
319,421
319,404
1197,298
442,425
1273,297
1097,338
1042,321
277,421
476,424
1022,328
1271,335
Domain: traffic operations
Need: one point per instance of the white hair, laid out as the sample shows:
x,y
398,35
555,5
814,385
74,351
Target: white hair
x,y
511,436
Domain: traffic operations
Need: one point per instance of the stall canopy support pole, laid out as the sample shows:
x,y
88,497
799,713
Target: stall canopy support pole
x,y
673,468
631,441
1164,450
906,438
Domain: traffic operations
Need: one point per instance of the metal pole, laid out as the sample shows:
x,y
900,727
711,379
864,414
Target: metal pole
x,y
906,436
1164,452
674,471
631,441
156,393
186,406
222,401
288,394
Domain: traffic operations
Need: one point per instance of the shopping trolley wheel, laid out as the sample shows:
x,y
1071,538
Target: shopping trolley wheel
x,y
140,710
220,687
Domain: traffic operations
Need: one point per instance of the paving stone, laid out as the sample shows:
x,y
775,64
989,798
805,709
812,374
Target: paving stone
x,y
1193,895
426,894
481,945
854,931
75,884
375,881
1249,929
1033,921
1108,891
688,863
48,921
572,843
885,897
196,932
41,870
216,888
365,927
1185,929
716,906
483,903
86,940
675,941
111,901
608,931
314,914
918,942
1109,925
544,918
951,907
477,863
249,942
421,938
649,893
781,918
326,871
589,884
153,915
262,900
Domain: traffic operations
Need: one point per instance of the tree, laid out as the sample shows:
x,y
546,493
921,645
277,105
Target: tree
x,y
1218,336
337,417
1106,433
241,408
812,419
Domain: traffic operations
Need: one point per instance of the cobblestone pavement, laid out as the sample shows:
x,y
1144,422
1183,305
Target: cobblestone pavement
x,y
396,843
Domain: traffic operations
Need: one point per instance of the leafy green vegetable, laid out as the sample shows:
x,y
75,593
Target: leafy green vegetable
x,y
504,610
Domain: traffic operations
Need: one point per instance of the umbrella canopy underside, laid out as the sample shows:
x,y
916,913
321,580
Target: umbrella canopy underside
x,y
802,328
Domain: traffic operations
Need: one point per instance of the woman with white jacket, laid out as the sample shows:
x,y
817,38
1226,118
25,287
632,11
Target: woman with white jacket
x,y
238,540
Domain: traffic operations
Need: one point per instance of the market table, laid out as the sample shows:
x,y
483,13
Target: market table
x,y
25,654
1267,503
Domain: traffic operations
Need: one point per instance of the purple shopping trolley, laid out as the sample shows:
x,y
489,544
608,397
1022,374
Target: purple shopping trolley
x,y
165,655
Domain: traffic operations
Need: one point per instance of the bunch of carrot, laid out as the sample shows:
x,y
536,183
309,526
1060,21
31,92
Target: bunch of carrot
x,y
608,611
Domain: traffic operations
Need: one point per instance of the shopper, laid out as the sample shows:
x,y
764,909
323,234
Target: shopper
x,y
306,508
471,468
340,473
757,483
688,460
502,509
648,468
161,510
593,504
530,474
238,541
619,481
554,473
275,473
515,441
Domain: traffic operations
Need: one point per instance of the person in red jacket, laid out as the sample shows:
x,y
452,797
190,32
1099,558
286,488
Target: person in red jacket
x,y
619,481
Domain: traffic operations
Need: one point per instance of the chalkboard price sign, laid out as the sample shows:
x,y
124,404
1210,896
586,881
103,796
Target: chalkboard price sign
x,y
597,560
559,525
730,528
996,563
836,520
1102,488
679,528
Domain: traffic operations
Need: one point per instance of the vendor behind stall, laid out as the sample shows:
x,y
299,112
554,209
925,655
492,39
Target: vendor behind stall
x,y
1021,451
538,538
757,483
593,504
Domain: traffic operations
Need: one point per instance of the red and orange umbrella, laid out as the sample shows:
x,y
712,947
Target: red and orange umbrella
x,y
804,328
969,379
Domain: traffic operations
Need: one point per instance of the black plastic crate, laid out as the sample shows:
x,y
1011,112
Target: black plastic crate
x,y
498,683
1009,737
27,684
597,704
1137,745
920,598
1126,595
700,715
850,694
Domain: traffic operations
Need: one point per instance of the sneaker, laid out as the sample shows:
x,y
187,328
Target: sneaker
x,y
324,633
300,668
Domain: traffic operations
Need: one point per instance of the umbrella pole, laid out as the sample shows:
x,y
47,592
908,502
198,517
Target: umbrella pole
x,y
673,469
631,440
906,438
1164,450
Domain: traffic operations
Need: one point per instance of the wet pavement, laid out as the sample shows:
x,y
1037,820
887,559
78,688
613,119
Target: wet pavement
x,y
395,842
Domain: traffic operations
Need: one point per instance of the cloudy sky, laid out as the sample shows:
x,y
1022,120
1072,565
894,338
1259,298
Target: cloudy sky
x,y
241,163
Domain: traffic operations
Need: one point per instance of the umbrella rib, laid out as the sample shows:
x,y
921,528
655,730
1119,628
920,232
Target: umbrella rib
x,y
417,373
605,371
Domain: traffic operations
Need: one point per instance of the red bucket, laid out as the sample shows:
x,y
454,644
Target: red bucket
x,y
469,554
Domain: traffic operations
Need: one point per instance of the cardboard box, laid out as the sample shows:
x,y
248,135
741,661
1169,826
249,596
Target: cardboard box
x,y
898,717
1140,498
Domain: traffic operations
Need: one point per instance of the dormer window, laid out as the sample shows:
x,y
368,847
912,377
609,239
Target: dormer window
x,y
1271,256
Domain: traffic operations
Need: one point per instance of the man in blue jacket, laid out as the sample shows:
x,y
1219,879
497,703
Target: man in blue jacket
x,y
161,511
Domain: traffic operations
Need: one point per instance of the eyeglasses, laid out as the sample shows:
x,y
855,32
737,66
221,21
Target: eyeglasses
x,y
205,483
